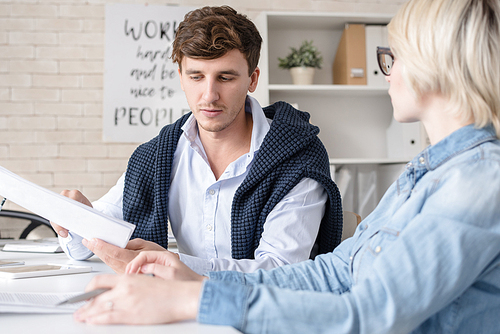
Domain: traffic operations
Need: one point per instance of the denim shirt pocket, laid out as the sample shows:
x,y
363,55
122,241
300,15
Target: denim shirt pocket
x,y
375,245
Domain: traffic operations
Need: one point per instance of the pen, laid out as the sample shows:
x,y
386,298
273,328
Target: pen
x,y
83,296
87,295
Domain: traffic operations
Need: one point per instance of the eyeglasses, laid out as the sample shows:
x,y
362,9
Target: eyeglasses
x,y
385,59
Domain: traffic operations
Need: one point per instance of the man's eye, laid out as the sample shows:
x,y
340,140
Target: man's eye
x,y
225,79
195,77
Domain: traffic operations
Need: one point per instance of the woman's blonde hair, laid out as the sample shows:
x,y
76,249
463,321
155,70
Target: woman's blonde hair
x,y
452,47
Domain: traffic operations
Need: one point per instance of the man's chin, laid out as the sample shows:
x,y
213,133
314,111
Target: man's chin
x,y
213,127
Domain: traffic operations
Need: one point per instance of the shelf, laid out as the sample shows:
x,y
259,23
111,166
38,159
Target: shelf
x,y
362,161
331,90
316,20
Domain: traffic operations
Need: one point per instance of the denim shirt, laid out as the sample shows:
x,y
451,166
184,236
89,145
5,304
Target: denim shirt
x,y
427,260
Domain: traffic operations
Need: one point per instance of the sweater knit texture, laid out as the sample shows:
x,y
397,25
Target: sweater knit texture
x,y
289,152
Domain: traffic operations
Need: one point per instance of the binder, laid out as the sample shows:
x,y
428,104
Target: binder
x,y
349,66
405,140
375,35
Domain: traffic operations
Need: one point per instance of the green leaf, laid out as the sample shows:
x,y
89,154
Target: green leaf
x,y
307,55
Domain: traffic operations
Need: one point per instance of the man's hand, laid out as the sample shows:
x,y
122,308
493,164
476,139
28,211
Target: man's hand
x,y
140,299
77,196
118,258
162,264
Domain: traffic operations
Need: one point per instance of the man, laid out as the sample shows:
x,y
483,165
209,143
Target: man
x,y
243,188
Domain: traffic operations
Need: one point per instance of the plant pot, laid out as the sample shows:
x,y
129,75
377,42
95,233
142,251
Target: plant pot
x,y
302,75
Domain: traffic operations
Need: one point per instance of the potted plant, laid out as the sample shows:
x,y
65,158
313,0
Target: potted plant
x,y
301,62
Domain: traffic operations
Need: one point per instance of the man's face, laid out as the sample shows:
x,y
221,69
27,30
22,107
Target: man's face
x,y
216,89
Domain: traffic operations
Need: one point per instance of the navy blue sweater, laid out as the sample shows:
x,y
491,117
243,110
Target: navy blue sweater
x,y
289,152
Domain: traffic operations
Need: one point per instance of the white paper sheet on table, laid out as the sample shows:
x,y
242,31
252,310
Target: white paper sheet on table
x,y
72,215
37,302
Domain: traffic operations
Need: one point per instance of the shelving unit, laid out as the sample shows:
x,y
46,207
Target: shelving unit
x,y
353,120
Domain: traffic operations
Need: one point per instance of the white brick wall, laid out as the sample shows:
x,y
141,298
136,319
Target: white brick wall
x,y
51,80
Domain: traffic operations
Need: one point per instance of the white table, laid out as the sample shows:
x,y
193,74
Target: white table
x,y
64,323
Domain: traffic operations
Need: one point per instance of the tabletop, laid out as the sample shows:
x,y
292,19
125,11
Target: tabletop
x,y
64,323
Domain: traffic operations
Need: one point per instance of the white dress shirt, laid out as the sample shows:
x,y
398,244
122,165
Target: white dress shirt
x,y
200,208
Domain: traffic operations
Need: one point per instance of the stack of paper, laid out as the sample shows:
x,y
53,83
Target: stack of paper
x,y
33,302
72,215
34,247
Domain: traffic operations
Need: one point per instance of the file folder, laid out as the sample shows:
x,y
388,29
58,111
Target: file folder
x,y
70,214
375,35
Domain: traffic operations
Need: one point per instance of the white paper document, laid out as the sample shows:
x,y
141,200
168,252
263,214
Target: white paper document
x,y
33,248
46,245
72,215
35,302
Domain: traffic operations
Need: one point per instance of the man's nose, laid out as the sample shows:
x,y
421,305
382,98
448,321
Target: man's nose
x,y
211,92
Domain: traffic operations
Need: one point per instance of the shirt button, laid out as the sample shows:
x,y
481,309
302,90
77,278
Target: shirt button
x,y
421,160
209,227
211,191
378,249
350,258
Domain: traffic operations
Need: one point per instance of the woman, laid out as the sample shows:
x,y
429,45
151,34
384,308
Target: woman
x,y
427,260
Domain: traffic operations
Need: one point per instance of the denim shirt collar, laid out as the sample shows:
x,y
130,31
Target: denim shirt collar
x,y
459,141
434,156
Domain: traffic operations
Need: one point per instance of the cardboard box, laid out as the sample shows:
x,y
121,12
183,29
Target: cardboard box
x,y
349,66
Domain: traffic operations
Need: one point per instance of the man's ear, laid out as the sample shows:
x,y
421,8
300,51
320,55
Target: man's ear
x,y
180,77
254,79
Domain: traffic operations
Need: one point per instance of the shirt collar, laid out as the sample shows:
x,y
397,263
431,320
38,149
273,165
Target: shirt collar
x,y
260,124
460,140
259,129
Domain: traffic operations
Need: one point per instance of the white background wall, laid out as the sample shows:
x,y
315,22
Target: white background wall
x,y
51,79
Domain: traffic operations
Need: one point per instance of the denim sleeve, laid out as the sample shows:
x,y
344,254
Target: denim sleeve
x,y
327,273
266,309
449,244
223,303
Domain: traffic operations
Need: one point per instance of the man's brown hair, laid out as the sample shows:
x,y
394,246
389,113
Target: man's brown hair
x,y
211,32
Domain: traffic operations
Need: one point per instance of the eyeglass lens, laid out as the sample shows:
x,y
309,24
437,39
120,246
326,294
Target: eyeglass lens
x,y
385,62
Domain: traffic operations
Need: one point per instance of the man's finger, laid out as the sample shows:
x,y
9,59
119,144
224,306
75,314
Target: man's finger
x,y
77,196
115,257
135,244
102,247
59,230
139,244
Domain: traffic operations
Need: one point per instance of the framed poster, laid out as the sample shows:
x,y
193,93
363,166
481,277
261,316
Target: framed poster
x,y
142,92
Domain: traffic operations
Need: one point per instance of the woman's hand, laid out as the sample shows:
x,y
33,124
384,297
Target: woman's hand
x,y
140,299
166,265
